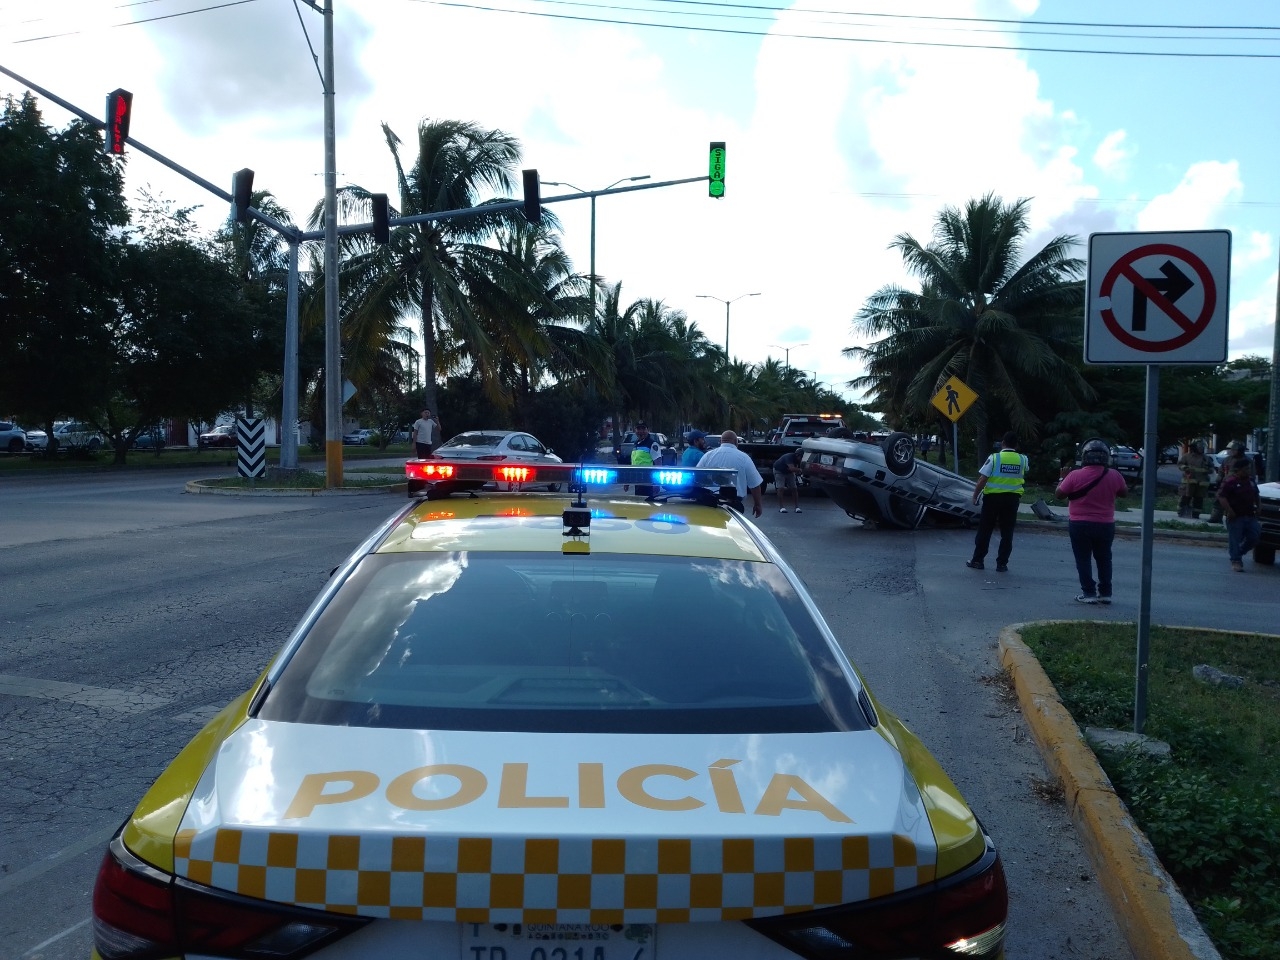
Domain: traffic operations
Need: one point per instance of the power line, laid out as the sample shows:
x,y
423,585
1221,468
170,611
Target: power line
x,y
1015,48
134,23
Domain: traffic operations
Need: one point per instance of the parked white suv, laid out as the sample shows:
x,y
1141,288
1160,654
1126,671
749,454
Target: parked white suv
x,y
12,437
76,434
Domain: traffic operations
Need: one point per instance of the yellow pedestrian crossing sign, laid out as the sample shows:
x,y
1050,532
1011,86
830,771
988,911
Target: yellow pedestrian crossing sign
x,y
954,398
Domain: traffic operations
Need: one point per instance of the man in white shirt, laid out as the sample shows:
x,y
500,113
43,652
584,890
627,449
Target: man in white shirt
x,y
426,434
728,456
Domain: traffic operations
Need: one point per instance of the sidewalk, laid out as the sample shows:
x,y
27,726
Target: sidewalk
x,y
1130,522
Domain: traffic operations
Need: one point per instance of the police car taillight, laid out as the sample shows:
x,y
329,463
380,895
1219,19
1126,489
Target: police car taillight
x,y
142,912
962,916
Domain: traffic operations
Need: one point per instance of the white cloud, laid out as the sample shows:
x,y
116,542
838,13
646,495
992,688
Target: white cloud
x,y
1113,154
1196,203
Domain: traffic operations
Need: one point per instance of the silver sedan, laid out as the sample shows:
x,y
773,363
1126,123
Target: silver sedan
x,y
513,447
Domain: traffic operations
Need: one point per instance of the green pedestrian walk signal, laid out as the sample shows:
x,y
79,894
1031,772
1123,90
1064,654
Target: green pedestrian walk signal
x,y
715,177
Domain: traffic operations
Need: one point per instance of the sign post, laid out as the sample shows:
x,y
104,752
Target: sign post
x,y
1153,299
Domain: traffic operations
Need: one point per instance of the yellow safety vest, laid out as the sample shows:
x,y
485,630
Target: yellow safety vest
x,y
1007,473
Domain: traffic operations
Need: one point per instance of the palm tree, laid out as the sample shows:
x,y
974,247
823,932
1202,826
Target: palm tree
x,y
434,267
1010,332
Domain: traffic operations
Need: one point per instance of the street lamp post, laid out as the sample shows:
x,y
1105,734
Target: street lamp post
x,y
726,303
593,193
787,351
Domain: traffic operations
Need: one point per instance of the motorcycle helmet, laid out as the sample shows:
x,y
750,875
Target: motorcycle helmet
x,y
1197,446
1095,452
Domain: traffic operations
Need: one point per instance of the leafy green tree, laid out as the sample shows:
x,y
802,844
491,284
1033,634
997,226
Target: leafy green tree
x,y
1009,330
61,208
186,343
432,268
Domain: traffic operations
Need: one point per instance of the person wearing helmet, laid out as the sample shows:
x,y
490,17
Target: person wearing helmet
x,y
1195,467
1003,477
1091,493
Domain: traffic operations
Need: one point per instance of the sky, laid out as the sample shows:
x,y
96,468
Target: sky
x,y
846,123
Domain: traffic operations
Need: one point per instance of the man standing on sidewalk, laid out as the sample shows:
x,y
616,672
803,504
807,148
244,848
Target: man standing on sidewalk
x,y
1002,477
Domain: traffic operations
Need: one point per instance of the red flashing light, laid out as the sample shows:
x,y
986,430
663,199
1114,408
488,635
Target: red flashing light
x,y
428,471
514,474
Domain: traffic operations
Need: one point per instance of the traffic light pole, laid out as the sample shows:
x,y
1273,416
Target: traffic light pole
x,y
294,237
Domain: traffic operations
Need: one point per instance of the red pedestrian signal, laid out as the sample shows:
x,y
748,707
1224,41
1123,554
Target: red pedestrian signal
x,y
119,106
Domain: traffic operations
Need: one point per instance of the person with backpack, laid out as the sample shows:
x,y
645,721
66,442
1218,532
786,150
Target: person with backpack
x,y
1091,492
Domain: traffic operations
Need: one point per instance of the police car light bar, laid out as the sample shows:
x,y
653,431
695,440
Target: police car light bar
x,y
575,475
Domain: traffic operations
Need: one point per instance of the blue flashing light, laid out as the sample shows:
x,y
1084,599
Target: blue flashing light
x,y
672,478
596,475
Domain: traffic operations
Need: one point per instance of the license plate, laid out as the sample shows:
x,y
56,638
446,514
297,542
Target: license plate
x,y
557,941
827,459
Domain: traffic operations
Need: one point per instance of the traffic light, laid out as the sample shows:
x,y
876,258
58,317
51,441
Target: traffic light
x,y
241,194
119,106
715,177
381,218
532,197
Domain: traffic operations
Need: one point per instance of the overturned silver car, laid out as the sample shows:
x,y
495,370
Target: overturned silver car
x,y
885,484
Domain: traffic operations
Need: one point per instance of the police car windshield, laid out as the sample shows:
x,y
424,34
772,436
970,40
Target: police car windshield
x,y
544,642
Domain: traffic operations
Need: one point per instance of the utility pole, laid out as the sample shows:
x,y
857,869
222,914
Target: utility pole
x,y
332,329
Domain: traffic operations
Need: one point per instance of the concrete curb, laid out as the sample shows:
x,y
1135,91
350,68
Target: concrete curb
x,y
201,486
1154,918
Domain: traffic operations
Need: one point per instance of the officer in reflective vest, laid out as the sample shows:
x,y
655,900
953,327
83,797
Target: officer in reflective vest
x,y
1000,484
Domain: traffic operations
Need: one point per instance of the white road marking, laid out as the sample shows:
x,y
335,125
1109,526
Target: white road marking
x,y
124,701
34,951
14,880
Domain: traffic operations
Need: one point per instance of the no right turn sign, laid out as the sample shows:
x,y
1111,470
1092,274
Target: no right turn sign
x,y
1158,298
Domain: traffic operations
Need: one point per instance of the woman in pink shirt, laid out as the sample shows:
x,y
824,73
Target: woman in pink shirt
x,y
1091,492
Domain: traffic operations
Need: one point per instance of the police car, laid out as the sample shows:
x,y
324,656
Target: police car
x,y
526,726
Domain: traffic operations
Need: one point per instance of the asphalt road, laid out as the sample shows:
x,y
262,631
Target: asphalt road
x,y
131,612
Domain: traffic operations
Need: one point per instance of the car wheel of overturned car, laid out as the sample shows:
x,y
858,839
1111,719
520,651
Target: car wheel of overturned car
x,y
1265,554
899,453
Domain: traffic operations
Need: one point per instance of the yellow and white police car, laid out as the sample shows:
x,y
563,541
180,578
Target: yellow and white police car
x,y
583,726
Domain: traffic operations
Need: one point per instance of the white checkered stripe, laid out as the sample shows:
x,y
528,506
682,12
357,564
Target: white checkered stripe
x,y
531,880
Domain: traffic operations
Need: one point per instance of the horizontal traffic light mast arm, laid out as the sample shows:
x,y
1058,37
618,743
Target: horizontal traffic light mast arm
x,y
351,228
286,231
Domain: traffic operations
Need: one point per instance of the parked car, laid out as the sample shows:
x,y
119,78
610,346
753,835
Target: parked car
x,y
884,482
1269,515
1127,461
147,438
223,435
359,437
13,438
1169,454
400,436
78,435
37,440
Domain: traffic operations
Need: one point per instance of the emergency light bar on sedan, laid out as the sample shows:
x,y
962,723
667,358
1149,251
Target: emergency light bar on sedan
x,y
577,476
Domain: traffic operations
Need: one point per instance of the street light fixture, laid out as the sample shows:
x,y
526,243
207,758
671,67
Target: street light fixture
x,y
593,193
787,351
707,296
